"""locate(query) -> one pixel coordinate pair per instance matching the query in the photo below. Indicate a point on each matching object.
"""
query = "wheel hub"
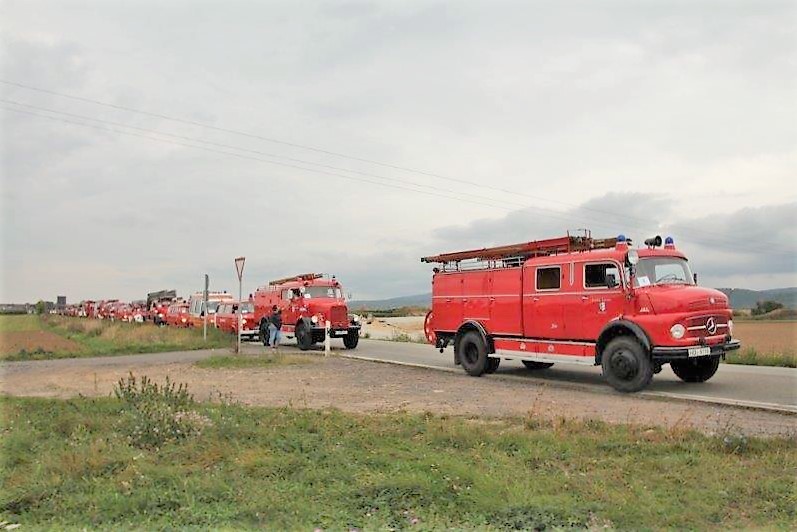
(624, 365)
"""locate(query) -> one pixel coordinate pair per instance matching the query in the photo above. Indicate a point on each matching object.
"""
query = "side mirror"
(611, 281)
(632, 257)
(694, 277)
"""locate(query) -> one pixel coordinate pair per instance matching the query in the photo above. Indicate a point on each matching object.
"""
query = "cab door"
(599, 303)
(543, 315)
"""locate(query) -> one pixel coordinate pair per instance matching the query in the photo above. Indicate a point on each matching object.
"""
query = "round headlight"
(677, 331)
(314, 319)
(730, 326)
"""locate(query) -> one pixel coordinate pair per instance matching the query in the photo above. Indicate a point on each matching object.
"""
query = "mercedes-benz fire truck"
(579, 300)
(307, 302)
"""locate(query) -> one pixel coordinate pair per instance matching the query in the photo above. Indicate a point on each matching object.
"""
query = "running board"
(545, 357)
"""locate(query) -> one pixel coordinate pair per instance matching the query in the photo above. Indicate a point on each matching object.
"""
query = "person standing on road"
(274, 327)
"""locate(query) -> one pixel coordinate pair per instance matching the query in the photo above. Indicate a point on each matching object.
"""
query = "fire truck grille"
(706, 326)
(338, 315)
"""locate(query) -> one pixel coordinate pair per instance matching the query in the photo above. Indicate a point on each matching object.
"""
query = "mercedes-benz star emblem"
(711, 326)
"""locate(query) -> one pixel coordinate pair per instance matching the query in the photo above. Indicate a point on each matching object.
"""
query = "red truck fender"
(620, 328)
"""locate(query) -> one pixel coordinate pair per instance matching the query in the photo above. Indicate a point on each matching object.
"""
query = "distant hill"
(744, 298)
(739, 297)
(419, 300)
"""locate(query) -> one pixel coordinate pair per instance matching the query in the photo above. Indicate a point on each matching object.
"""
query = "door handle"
(448, 300)
(464, 299)
(584, 298)
(535, 298)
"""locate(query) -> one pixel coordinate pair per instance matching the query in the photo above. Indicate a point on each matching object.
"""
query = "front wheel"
(351, 340)
(304, 336)
(696, 369)
(626, 365)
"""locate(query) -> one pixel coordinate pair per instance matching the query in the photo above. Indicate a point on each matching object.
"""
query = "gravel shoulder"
(368, 387)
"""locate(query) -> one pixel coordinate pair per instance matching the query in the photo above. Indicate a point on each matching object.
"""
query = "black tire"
(264, 336)
(351, 340)
(695, 369)
(473, 353)
(492, 365)
(304, 336)
(627, 367)
(531, 364)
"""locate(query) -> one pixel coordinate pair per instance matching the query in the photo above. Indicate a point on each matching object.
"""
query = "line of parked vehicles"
(307, 301)
(572, 299)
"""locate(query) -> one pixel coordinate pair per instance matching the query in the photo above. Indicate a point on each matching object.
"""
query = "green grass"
(20, 323)
(73, 464)
(751, 357)
(259, 361)
(104, 338)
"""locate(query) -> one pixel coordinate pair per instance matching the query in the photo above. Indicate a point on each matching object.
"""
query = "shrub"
(156, 414)
(765, 307)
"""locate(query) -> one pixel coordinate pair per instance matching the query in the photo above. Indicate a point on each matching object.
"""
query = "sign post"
(205, 309)
(239, 268)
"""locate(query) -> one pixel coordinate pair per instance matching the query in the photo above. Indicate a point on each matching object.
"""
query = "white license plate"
(341, 332)
(699, 351)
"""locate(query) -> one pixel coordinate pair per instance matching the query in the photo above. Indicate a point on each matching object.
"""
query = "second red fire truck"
(307, 302)
(580, 300)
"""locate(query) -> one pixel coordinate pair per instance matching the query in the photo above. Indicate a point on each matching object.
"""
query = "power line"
(551, 214)
(514, 193)
(499, 204)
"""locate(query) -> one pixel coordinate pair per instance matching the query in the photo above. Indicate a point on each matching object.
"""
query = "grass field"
(765, 343)
(88, 463)
(44, 337)
(247, 361)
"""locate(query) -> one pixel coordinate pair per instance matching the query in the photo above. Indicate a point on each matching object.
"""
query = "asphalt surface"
(747, 386)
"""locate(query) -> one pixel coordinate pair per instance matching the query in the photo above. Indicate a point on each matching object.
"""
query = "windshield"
(212, 306)
(323, 291)
(247, 308)
(662, 270)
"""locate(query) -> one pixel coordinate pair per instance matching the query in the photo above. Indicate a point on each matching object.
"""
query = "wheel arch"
(617, 328)
(473, 325)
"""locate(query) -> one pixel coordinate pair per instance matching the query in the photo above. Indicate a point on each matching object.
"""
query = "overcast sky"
(510, 121)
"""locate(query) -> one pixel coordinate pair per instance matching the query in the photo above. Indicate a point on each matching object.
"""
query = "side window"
(549, 278)
(286, 294)
(595, 274)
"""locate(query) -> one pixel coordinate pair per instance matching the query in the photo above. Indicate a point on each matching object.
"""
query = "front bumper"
(336, 332)
(668, 354)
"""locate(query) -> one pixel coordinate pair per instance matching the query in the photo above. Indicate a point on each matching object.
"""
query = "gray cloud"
(623, 117)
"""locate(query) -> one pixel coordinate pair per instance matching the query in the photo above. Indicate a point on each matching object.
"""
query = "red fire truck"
(307, 301)
(177, 314)
(580, 300)
(226, 318)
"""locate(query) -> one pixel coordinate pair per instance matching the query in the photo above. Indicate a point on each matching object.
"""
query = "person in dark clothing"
(274, 327)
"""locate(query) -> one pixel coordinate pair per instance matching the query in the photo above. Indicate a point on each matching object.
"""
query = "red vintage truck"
(307, 301)
(177, 314)
(196, 307)
(226, 318)
(579, 300)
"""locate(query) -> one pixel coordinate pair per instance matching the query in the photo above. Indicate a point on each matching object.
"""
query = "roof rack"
(525, 250)
(302, 277)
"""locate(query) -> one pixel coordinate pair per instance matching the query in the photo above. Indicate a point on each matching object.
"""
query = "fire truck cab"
(307, 302)
(580, 300)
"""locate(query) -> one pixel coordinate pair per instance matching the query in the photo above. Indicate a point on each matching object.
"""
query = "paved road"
(773, 388)
(761, 387)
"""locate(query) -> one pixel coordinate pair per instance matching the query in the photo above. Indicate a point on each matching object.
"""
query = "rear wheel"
(304, 336)
(696, 369)
(531, 364)
(626, 365)
(352, 339)
(473, 353)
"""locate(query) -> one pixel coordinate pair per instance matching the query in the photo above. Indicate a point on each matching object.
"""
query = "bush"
(765, 307)
(156, 414)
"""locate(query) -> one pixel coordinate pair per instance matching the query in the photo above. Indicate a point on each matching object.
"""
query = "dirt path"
(359, 386)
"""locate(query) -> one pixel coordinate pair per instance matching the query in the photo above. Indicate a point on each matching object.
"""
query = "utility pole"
(205, 309)
(239, 268)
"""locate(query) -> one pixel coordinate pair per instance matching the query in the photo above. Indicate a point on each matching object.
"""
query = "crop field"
(44, 337)
(153, 458)
(765, 343)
